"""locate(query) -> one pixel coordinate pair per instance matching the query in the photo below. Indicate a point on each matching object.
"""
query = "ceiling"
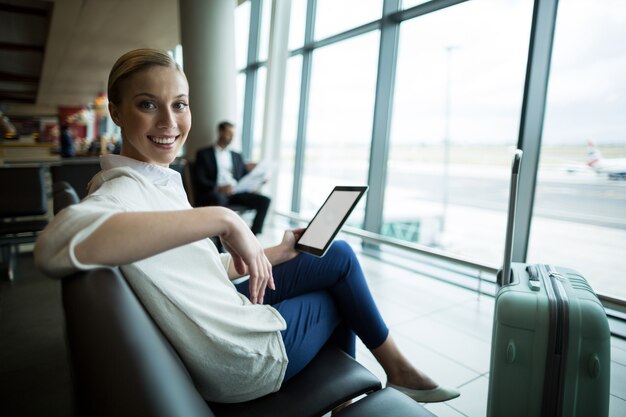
(60, 52)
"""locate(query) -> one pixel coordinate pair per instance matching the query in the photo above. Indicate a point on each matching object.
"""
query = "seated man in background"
(218, 170)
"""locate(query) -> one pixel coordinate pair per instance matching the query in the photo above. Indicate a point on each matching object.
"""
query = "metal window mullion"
(379, 150)
(340, 37)
(531, 123)
(251, 71)
(422, 9)
(248, 114)
(305, 87)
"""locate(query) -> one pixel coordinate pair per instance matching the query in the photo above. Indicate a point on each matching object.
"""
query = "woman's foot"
(410, 377)
(432, 395)
(420, 387)
(406, 378)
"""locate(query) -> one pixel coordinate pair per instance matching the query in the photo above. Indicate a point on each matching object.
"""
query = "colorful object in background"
(50, 133)
(77, 118)
(100, 105)
(7, 130)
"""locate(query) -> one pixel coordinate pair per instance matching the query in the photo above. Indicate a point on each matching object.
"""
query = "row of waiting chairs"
(24, 203)
(23, 206)
(24, 200)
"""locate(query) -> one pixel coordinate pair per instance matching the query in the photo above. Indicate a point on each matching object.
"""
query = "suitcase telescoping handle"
(505, 277)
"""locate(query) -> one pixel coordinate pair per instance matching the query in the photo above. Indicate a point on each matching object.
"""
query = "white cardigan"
(232, 348)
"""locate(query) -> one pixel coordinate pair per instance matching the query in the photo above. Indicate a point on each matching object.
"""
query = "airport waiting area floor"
(445, 330)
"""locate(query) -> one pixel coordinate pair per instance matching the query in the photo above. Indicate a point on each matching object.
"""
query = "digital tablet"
(321, 231)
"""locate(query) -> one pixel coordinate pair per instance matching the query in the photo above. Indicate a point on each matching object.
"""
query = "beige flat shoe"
(434, 395)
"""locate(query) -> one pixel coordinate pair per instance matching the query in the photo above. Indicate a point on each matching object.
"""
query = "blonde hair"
(132, 62)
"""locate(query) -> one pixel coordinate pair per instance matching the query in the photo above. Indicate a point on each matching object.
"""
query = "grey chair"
(77, 173)
(23, 205)
(63, 195)
(123, 365)
(387, 402)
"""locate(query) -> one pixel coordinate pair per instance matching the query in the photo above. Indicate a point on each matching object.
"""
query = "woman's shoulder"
(117, 177)
(124, 186)
(124, 173)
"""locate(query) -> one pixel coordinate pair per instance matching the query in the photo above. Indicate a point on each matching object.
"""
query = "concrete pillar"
(276, 75)
(275, 87)
(208, 40)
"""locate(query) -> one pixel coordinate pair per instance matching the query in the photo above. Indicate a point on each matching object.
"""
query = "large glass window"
(580, 203)
(338, 16)
(266, 19)
(259, 113)
(285, 169)
(242, 31)
(457, 100)
(455, 123)
(241, 93)
(297, 24)
(339, 127)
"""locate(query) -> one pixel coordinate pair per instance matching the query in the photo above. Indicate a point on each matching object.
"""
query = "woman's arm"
(131, 236)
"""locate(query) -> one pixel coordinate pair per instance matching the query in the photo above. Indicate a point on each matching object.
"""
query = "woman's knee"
(341, 248)
(341, 256)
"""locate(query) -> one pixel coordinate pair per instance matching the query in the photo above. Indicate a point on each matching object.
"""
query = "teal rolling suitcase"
(550, 353)
(550, 348)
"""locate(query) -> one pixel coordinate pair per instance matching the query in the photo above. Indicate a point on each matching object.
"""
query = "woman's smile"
(163, 140)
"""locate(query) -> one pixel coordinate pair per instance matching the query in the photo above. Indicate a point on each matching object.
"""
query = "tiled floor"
(446, 331)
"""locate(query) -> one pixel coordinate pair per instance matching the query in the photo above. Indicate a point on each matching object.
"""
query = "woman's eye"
(148, 105)
(180, 105)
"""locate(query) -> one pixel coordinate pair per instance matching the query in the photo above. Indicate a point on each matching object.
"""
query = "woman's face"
(153, 114)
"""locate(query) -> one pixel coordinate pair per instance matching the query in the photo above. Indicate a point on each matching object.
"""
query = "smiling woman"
(153, 111)
(238, 341)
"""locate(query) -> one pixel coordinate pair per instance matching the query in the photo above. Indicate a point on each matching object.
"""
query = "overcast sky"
(461, 72)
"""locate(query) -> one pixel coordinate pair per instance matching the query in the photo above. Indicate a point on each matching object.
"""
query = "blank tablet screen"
(321, 231)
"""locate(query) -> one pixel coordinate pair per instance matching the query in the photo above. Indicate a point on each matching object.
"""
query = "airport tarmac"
(579, 217)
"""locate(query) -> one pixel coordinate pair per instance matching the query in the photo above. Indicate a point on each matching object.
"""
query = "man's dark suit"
(206, 193)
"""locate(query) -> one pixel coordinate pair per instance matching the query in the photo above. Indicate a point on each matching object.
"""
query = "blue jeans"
(323, 299)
